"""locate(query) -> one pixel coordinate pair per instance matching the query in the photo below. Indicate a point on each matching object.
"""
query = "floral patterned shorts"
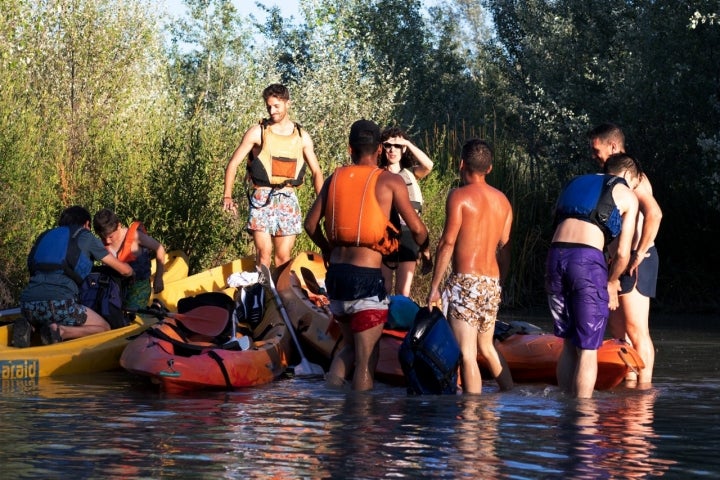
(474, 299)
(43, 312)
(275, 211)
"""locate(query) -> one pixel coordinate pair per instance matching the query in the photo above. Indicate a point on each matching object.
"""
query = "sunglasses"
(388, 146)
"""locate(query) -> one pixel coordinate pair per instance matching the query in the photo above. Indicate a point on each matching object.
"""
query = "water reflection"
(476, 438)
(113, 426)
(612, 437)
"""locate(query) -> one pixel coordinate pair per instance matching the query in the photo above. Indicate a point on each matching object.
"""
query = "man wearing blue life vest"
(279, 152)
(592, 211)
(631, 320)
(59, 261)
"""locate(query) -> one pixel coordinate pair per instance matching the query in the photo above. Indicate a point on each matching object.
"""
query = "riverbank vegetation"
(110, 104)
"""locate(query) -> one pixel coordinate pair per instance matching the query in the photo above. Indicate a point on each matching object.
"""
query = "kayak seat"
(218, 307)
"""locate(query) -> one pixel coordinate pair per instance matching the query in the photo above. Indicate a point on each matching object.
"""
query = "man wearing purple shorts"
(592, 211)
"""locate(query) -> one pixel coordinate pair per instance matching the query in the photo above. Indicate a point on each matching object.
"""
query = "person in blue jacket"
(58, 262)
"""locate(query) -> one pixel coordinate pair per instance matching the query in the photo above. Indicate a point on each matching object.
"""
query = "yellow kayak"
(176, 266)
(212, 280)
(93, 353)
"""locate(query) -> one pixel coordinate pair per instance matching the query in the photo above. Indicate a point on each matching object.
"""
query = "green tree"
(81, 100)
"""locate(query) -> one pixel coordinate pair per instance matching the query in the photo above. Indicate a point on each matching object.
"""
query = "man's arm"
(313, 220)
(251, 138)
(401, 203)
(121, 267)
(312, 161)
(446, 244)
(652, 216)
(150, 243)
(503, 252)
(623, 197)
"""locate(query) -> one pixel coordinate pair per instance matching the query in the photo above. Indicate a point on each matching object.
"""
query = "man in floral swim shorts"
(474, 299)
(476, 236)
(279, 153)
(276, 212)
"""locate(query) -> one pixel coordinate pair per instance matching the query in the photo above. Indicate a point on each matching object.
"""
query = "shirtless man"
(631, 320)
(592, 211)
(355, 203)
(478, 219)
(279, 150)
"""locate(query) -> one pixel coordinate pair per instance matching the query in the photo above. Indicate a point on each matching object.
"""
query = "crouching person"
(58, 262)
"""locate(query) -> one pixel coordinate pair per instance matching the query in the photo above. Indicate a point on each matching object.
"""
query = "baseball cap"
(364, 132)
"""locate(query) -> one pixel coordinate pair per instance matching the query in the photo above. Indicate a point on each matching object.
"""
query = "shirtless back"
(354, 281)
(476, 236)
(484, 218)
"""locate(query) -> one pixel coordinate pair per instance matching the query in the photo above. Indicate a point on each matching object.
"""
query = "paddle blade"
(311, 282)
(304, 368)
(307, 369)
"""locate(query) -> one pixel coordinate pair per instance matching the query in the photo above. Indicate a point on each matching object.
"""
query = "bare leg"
(616, 322)
(263, 246)
(467, 338)
(343, 361)
(94, 324)
(283, 249)
(404, 278)
(585, 373)
(366, 345)
(566, 366)
(636, 310)
(497, 363)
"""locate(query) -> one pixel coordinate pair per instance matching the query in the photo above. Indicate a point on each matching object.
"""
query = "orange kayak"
(198, 349)
(531, 353)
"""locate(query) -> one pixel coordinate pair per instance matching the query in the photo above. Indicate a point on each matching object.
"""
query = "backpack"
(430, 355)
(401, 312)
(104, 292)
(57, 250)
(250, 307)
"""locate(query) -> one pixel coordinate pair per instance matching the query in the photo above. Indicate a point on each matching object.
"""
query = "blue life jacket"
(57, 251)
(430, 355)
(589, 198)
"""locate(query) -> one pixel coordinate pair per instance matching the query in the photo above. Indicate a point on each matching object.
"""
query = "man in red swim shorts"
(355, 203)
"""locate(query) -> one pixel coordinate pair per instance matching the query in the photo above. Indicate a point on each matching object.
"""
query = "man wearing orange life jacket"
(279, 152)
(355, 206)
(132, 245)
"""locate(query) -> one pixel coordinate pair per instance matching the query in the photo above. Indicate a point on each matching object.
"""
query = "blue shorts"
(576, 284)
(43, 312)
(275, 211)
(357, 294)
(645, 278)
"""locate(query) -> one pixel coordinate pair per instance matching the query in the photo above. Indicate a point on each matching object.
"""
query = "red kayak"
(199, 349)
(531, 353)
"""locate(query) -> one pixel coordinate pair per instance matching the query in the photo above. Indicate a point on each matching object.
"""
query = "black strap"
(213, 354)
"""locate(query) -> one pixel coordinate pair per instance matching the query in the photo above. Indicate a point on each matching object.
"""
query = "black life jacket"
(589, 198)
(57, 250)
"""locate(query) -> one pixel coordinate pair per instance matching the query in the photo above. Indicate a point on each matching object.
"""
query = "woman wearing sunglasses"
(401, 156)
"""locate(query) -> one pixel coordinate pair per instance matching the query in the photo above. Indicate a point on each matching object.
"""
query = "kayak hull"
(532, 357)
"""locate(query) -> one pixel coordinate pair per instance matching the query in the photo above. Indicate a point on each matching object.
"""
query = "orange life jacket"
(125, 253)
(353, 216)
(280, 162)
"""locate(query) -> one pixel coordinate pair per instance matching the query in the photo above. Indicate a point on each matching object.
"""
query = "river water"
(114, 425)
